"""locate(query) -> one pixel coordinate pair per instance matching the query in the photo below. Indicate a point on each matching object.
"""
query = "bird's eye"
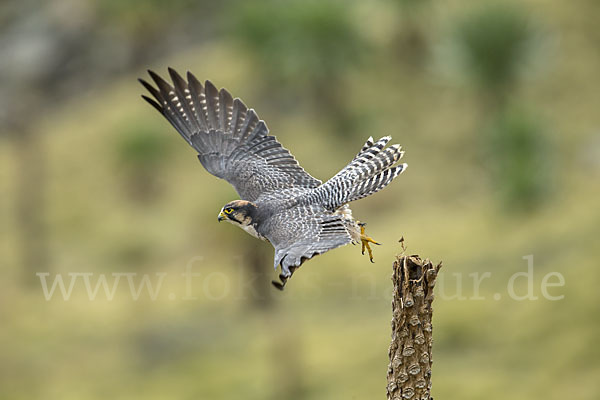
(228, 210)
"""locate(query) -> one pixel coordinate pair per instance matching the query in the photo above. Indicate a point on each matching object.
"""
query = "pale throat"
(251, 230)
(248, 227)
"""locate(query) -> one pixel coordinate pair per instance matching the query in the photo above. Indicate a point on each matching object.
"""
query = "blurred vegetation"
(503, 164)
(411, 37)
(140, 154)
(306, 48)
(496, 42)
(522, 159)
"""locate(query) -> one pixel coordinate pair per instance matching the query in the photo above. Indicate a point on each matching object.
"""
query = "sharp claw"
(281, 285)
(366, 240)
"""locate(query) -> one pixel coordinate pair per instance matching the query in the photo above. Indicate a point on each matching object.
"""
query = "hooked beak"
(221, 216)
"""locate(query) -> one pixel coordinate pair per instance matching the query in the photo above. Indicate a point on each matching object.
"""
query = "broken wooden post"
(409, 372)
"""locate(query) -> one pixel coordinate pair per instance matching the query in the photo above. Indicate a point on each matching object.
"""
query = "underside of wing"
(232, 143)
(303, 232)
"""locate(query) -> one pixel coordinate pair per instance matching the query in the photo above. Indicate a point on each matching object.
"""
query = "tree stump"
(409, 371)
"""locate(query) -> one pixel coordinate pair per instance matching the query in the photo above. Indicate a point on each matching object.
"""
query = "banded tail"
(373, 168)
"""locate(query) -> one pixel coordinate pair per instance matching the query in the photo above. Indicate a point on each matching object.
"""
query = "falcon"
(280, 202)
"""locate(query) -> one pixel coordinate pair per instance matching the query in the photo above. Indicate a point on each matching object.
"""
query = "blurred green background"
(496, 104)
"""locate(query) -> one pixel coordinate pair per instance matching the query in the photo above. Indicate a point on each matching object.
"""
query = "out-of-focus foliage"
(141, 148)
(150, 22)
(140, 154)
(306, 48)
(112, 192)
(300, 43)
(131, 12)
(495, 41)
(521, 159)
(410, 41)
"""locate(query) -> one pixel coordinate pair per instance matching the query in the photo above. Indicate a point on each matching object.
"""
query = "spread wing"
(303, 232)
(232, 143)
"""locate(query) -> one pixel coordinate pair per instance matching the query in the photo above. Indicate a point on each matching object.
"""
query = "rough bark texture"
(409, 372)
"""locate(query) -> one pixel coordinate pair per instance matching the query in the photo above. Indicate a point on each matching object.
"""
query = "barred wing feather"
(231, 141)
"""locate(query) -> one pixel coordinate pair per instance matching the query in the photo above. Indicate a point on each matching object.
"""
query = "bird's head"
(238, 212)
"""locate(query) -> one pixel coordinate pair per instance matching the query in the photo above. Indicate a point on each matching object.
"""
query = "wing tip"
(208, 85)
(149, 88)
(175, 77)
(153, 74)
(153, 103)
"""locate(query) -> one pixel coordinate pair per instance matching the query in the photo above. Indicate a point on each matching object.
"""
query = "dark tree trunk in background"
(30, 204)
(409, 372)
(257, 261)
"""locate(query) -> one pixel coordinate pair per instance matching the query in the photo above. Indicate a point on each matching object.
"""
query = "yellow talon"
(365, 240)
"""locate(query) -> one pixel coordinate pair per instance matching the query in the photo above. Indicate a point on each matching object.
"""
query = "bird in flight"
(280, 202)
